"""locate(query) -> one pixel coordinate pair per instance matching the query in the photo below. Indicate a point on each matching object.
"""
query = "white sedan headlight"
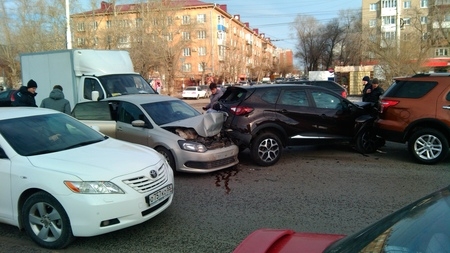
(93, 187)
(192, 146)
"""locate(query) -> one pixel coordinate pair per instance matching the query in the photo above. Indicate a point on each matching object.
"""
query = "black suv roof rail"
(431, 74)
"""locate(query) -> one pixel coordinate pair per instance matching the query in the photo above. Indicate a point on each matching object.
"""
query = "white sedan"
(194, 92)
(61, 179)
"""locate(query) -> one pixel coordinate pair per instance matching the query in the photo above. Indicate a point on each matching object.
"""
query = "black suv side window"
(409, 89)
(294, 97)
(325, 100)
(270, 96)
(92, 111)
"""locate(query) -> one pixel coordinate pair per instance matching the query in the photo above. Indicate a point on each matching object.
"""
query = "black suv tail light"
(386, 103)
(241, 110)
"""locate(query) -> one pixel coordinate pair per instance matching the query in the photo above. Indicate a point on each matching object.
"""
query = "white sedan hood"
(206, 125)
(110, 157)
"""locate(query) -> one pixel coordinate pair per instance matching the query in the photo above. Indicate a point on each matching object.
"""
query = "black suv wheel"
(266, 149)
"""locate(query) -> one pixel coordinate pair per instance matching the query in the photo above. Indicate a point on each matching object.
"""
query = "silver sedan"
(190, 141)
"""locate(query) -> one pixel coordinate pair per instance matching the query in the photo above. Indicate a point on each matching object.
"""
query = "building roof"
(106, 7)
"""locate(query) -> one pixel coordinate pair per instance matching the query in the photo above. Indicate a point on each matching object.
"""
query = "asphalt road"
(328, 189)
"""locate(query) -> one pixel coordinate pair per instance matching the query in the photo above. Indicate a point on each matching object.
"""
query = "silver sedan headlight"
(192, 146)
(93, 187)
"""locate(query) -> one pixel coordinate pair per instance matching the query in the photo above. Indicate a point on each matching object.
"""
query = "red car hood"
(285, 241)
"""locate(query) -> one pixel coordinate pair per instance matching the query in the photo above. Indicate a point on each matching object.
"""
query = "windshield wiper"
(84, 143)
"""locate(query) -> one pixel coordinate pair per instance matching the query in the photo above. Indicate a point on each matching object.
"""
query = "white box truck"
(82, 73)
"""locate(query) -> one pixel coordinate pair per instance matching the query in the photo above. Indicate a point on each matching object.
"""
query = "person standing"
(56, 100)
(367, 88)
(375, 92)
(215, 95)
(25, 95)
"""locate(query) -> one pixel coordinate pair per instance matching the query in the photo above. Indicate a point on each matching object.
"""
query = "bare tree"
(29, 26)
(311, 43)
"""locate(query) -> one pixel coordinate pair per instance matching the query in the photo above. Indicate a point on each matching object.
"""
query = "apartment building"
(421, 23)
(203, 40)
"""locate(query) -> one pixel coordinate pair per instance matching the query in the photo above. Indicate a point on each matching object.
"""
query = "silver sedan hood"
(206, 125)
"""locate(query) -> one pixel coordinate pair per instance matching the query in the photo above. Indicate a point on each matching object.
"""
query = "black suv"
(266, 118)
(332, 85)
(416, 110)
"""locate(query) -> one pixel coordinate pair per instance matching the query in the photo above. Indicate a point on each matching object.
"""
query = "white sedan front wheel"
(46, 221)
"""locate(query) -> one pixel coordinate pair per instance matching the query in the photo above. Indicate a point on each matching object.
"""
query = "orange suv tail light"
(241, 110)
(386, 103)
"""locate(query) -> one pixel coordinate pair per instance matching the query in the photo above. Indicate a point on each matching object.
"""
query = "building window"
(220, 20)
(186, 67)
(186, 35)
(80, 27)
(81, 41)
(124, 39)
(202, 51)
(108, 23)
(94, 25)
(169, 37)
(406, 4)
(201, 35)
(442, 2)
(406, 21)
(389, 20)
(139, 22)
(372, 23)
(447, 17)
(424, 20)
(406, 36)
(389, 35)
(441, 52)
(389, 3)
(373, 7)
(200, 67)
(186, 20)
(201, 18)
(186, 51)
(169, 20)
(220, 35)
(423, 3)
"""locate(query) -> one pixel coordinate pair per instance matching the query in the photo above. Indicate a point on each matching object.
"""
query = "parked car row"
(88, 167)
(195, 92)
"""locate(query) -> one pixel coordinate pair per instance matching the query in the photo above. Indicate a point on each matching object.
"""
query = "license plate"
(159, 195)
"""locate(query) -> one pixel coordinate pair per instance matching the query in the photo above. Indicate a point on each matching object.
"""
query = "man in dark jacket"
(216, 93)
(367, 88)
(56, 100)
(375, 92)
(25, 95)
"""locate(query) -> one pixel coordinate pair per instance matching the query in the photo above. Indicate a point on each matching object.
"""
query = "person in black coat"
(375, 92)
(367, 88)
(25, 95)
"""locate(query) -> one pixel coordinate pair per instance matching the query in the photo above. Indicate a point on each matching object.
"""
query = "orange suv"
(416, 110)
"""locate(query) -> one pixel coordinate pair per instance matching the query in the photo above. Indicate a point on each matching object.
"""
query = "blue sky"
(274, 17)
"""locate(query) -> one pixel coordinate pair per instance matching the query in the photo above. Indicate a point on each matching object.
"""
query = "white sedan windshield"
(43, 134)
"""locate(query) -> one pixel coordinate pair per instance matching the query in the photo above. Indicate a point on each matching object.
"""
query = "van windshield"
(124, 84)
